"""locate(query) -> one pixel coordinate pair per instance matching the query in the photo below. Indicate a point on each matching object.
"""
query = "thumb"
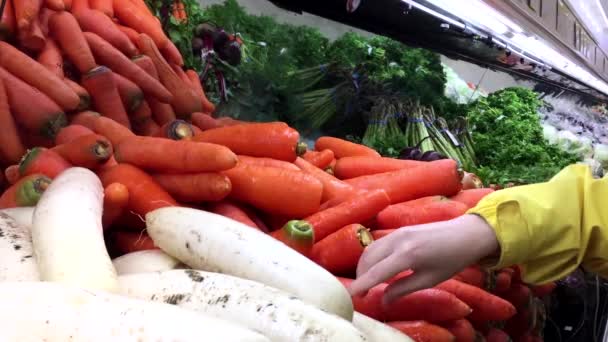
(415, 282)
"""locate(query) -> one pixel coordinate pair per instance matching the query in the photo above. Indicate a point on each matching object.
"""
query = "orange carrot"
(233, 211)
(208, 106)
(112, 130)
(503, 282)
(11, 147)
(339, 252)
(129, 242)
(162, 112)
(11, 174)
(298, 235)
(83, 94)
(319, 159)
(131, 95)
(497, 335)
(164, 155)
(32, 109)
(181, 73)
(40, 160)
(33, 39)
(86, 119)
(378, 234)
(145, 194)
(462, 330)
(43, 19)
(176, 130)
(351, 167)
(129, 32)
(476, 276)
(332, 188)
(471, 197)
(68, 4)
(484, 305)
(55, 5)
(185, 100)
(142, 121)
(205, 121)
(271, 140)
(172, 54)
(8, 26)
(278, 191)
(89, 151)
(115, 201)
(71, 132)
(343, 148)
(267, 162)
(421, 331)
(197, 187)
(134, 17)
(519, 295)
(32, 72)
(104, 6)
(67, 33)
(26, 11)
(101, 85)
(544, 289)
(26, 192)
(420, 211)
(103, 26)
(357, 209)
(51, 58)
(80, 5)
(441, 177)
(108, 55)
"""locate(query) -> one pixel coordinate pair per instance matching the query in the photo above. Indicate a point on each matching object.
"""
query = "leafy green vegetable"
(509, 141)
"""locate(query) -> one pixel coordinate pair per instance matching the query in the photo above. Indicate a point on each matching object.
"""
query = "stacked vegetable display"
(109, 148)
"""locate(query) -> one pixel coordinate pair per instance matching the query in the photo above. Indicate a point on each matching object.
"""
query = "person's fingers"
(415, 282)
(378, 273)
(373, 254)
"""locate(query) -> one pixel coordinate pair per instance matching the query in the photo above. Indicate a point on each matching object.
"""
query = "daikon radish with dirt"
(68, 235)
(153, 260)
(377, 331)
(22, 215)
(53, 312)
(16, 252)
(271, 312)
(214, 243)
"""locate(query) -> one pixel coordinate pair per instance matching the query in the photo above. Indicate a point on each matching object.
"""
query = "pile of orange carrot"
(97, 84)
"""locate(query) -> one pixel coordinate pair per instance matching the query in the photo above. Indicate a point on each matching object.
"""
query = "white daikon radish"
(67, 233)
(17, 262)
(377, 331)
(54, 312)
(274, 313)
(214, 243)
(153, 260)
(23, 215)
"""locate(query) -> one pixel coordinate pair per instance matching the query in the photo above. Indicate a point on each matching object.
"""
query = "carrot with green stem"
(101, 85)
(8, 25)
(132, 16)
(343, 148)
(351, 167)
(421, 331)
(278, 191)
(320, 159)
(51, 58)
(26, 11)
(71, 132)
(420, 211)
(176, 130)
(69, 36)
(356, 209)
(271, 140)
(100, 24)
(339, 252)
(131, 95)
(298, 235)
(11, 146)
(164, 155)
(441, 177)
(196, 187)
(11, 174)
(89, 151)
(115, 202)
(208, 106)
(32, 110)
(486, 306)
(35, 74)
(145, 194)
(41, 160)
(55, 5)
(26, 192)
(185, 100)
(462, 330)
(83, 94)
(247, 160)
(104, 6)
(233, 211)
(333, 188)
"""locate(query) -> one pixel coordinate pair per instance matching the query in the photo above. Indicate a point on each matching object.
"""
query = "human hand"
(435, 252)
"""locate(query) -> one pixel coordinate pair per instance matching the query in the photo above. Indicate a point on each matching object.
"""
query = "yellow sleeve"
(551, 228)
